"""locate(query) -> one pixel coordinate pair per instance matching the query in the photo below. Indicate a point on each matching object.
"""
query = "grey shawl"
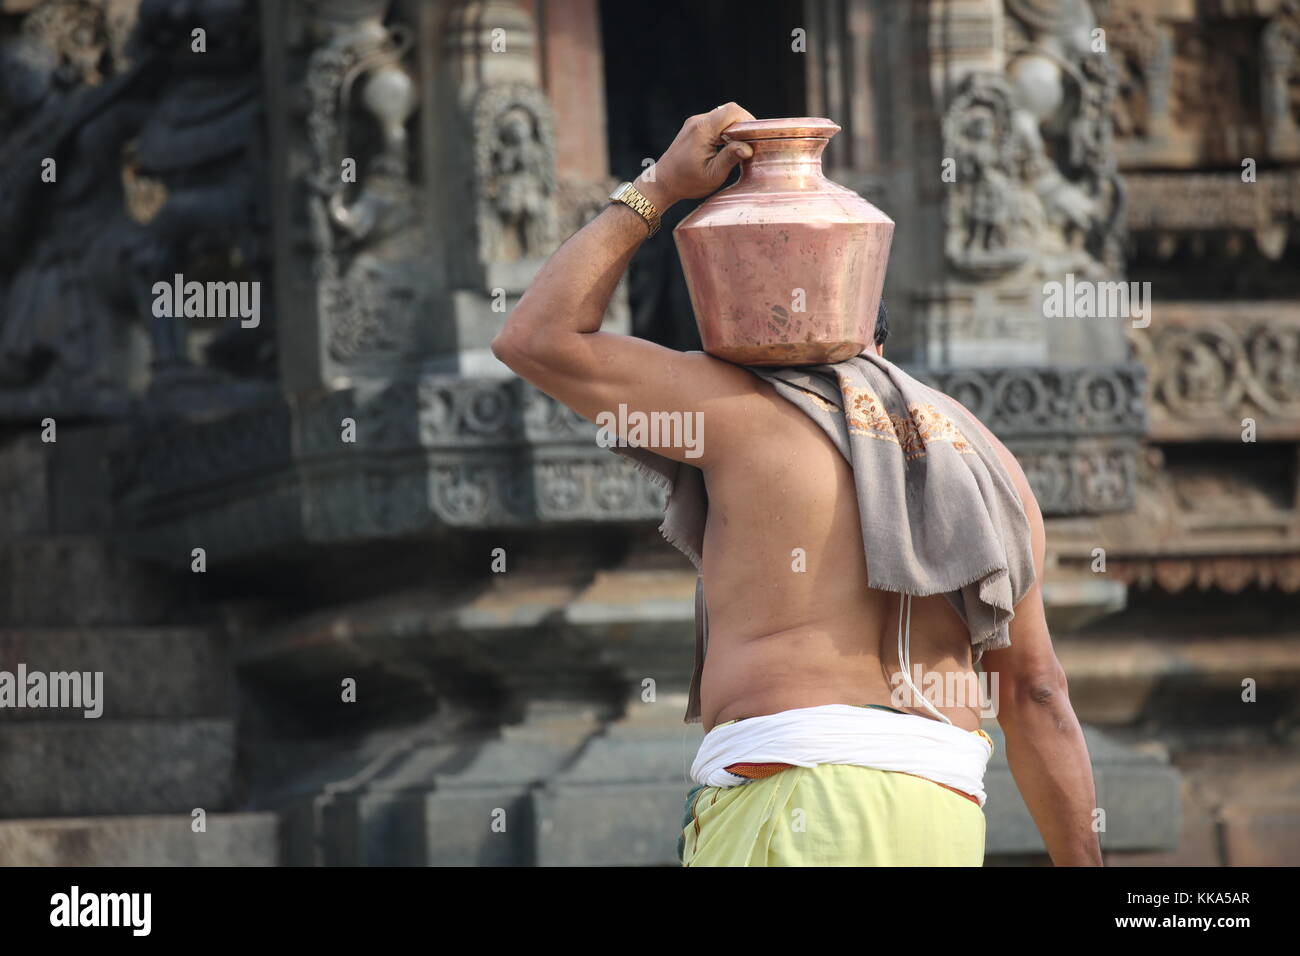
(939, 511)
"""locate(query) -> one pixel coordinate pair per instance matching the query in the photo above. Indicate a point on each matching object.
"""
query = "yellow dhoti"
(832, 815)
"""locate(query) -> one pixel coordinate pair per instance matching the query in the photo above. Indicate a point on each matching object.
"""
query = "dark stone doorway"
(667, 61)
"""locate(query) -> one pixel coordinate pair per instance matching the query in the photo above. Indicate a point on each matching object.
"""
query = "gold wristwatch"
(629, 194)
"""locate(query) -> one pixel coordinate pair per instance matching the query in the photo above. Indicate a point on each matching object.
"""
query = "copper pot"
(785, 267)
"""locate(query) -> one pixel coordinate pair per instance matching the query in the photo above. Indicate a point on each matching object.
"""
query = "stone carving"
(365, 238)
(1202, 525)
(489, 453)
(547, 420)
(438, 412)
(1226, 209)
(1209, 373)
(1231, 574)
(87, 40)
(1061, 401)
(1084, 477)
(1184, 71)
(992, 218)
(1143, 49)
(67, 95)
(191, 455)
(1063, 91)
(157, 153)
(1223, 201)
(1280, 77)
(1036, 180)
(200, 146)
(514, 173)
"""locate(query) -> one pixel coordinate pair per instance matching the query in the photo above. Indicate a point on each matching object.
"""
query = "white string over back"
(905, 655)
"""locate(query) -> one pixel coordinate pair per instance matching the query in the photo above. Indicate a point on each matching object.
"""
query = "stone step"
(84, 767)
(230, 839)
(618, 824)
(141, 672)
(1121, 679)
(1241, 808)
(619, 801)
(82, 580)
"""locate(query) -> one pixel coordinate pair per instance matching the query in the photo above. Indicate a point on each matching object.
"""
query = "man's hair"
(882, 324)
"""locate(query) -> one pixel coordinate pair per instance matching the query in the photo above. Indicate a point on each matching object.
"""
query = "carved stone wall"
(129, 156)
(984, 128)
(1075, 430)
(1206, 119)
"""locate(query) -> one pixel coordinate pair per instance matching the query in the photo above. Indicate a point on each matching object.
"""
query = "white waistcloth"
(843, 733)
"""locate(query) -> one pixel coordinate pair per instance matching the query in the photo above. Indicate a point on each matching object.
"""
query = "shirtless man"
(779, 640)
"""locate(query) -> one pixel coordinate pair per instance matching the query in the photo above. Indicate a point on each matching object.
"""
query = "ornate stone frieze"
(1143, 50)
(1088, 476)
(1074, 430)
(1230, 574)
(1064, 402)
(441, 452)
(1168, 205)
(411, 457)
(1212, 367)
(1223, 521)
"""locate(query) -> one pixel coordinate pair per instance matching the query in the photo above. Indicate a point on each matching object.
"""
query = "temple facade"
(358, 596)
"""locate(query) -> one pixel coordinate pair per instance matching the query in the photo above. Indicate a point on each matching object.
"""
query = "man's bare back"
(780, 638)
(791, 620)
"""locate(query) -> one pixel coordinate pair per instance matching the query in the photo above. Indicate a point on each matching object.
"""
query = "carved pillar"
(501, 206)
(356, 282)
(416, 188)
(490, 162)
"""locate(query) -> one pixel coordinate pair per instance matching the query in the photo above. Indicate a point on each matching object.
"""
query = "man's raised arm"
(553, 339)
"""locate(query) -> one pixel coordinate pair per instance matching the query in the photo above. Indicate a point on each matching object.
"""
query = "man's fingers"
(721, 164)
(719, 119)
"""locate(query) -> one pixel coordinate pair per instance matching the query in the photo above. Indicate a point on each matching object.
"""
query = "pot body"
(785, 267)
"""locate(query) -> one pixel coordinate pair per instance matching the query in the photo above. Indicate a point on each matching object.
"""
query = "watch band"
(631, 196)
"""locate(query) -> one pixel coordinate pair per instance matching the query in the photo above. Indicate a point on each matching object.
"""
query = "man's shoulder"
(760, 395)
(1008, 460)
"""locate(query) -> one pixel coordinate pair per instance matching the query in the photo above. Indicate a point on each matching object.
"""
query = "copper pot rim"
(799, 127)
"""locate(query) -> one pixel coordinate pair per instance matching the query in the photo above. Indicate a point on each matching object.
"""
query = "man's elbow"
(510, 346)
(535, 352)
(1042, 691)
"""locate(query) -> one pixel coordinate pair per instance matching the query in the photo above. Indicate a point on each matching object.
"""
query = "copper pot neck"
(787, 152)
(795, 162)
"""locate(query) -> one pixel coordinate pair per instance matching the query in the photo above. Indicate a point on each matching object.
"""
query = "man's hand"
(698, 161)
(553, 339)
